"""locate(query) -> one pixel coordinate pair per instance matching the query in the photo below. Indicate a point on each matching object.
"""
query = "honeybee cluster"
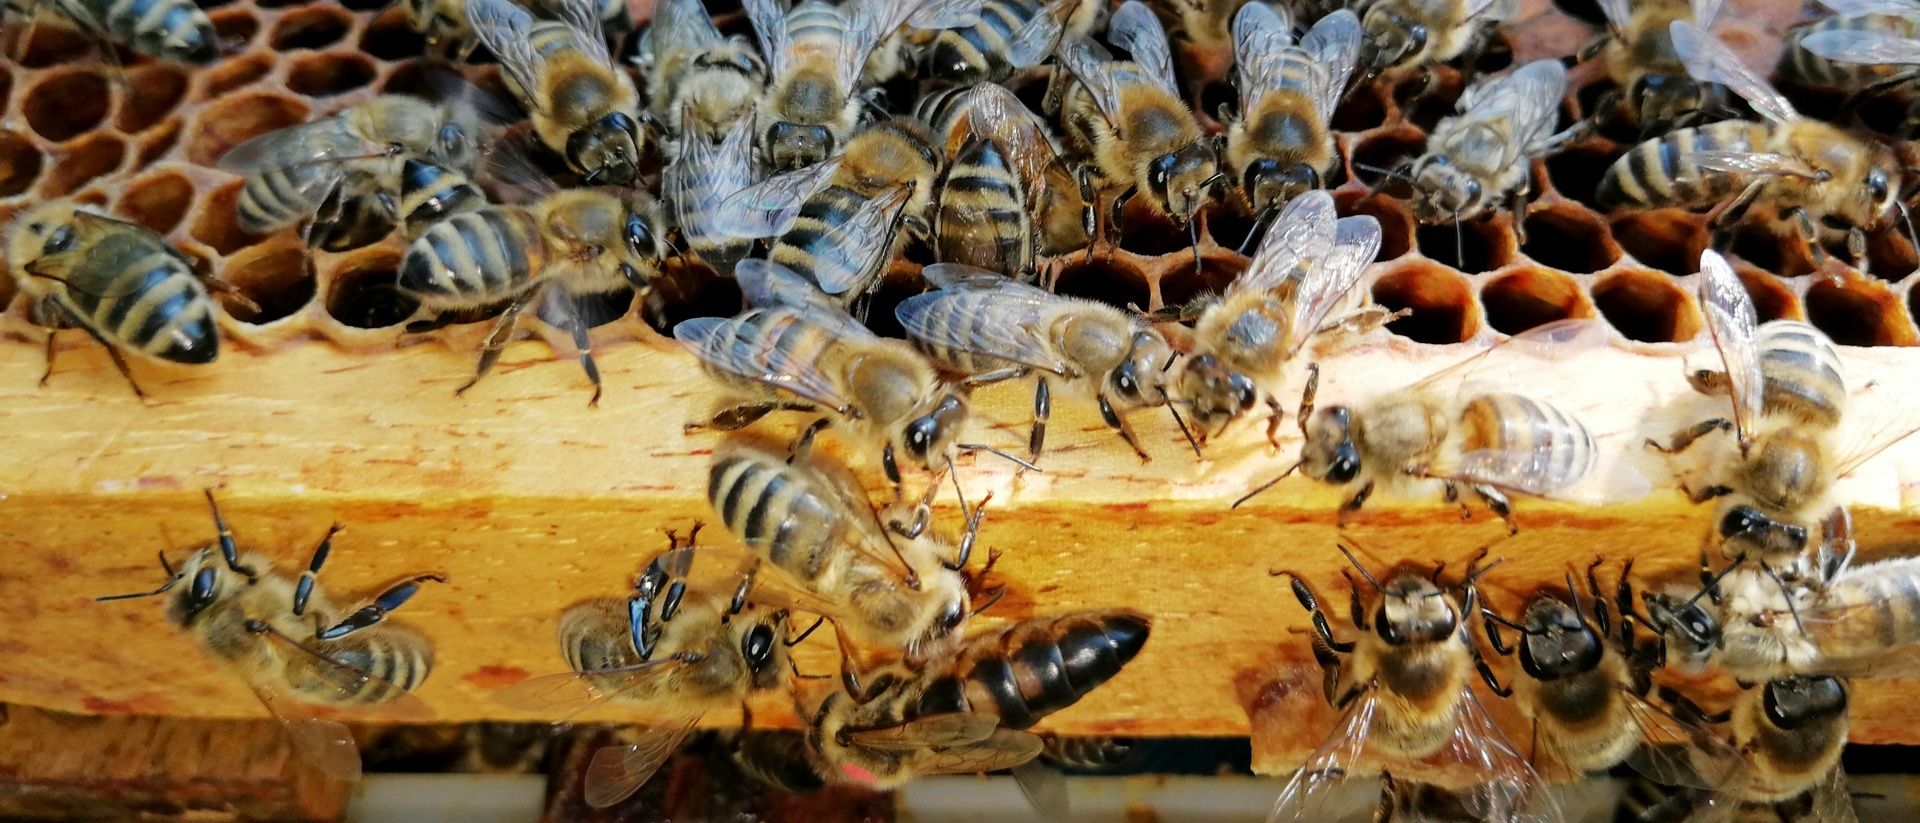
(802, 164)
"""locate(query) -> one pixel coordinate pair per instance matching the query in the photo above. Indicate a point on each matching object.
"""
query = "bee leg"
(496, 342)
(48, 374)
(1275, 416)
(1354, 503)
(1119, 424)
(1601, 618)
(1042, 409)
(1857, 248)
(1450, 493)
(1810, 234)
(1117, 211)
(1307, 394)
(1684, 438)
(374, 612)
(1309, 600)
(803, 445)
(228, 550)
(583, 343)
(1383, 807)
(1497, 501)
(1722, 219)
(303, 590)
(1706, 493)
(1085, 179)
(113, 352)
(1486, 673)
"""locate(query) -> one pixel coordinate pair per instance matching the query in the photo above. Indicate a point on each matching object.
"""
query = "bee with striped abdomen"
(969, 712)
(352, 176)
(1882, 49)
(1306, 267)
(1793, 730)
(991, 328)
(572, 244)
(1651, 86)
(670, 651)
(1010, 35)
(1280, 142)
(1128, 122)
(796, 348)
(1411, 34)
(119, 281)
(1817, 179)
(584, 107)
(839, 224)
(175, 30)
(1439, 429)
(1007, 198)
(697, 78)
(1404, 688)
(813, 523)
(1483, 155)
(696, 183)
(304, 656)
(815, 53)
(1812, 70)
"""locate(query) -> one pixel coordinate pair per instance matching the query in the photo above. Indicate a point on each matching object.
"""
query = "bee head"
(793, 145)
(1752, 529)
(1330, 453)
(1882, 186)
(1214, 393)
(205, 577)
(763, 650)
(930, 436)
(452, 147)
(607, 151)
(644, 248)
(45, 230)
(1444, 192)
(1179, 180)
(1141, 379)
(1414, 610)
(1557, 642)
(1664, 99)
(1390, 38)
(1685, 624)
(1792, 702)
(1269, 184)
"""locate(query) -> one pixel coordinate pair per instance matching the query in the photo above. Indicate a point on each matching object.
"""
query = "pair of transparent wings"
(1314, 256)
(1011, 323)
(1526, 101)
(1710, 61)
(706, 174)
(1619, 13)
(955, 743)
(1670, 752)
(757, 353)
(1135, 29)
(771, 208)
(867, 23)
(309, 718)
(1262, 38)
(1494, 781)
(995, 114)
(506, 30)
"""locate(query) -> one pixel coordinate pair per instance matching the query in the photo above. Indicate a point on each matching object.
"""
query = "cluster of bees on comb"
(794, 166)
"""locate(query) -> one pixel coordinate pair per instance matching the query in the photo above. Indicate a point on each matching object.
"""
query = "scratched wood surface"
(530, 501)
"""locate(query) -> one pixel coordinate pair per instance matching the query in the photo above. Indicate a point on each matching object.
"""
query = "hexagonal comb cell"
(1530, 297)
(1472, 245)
(390, 38)
(1569, 238)
(82, 161)
(65, 104)
(160, 89)
(53, 43)
(235, 27)
(20, 162)
(235, 73)
(1646, 306)
(1180, 286)
(1441, 302)
(277, 276)
(325, 75)
(158, 201)
(1772, 300)
(1107, 279)
(1670, 240)
(362, 295)
(214, 223)
(230, 121)
(313, 27)
(1859, 312)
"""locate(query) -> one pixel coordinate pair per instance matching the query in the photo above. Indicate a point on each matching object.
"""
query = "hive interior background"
(69, 128)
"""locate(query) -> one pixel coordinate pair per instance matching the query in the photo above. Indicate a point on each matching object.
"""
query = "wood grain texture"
(530, 501)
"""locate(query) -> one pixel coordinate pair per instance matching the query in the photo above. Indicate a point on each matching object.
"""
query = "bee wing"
(1334, 42)
(1038, 37)
(319, 140)
(864, 238)
(770, 29)
(1550, 342)
(368, 693)
(1674, 752)
(574, 693)
(505, 29)
(514, 176)
(327, 744)
(1305, 795)
(616, 772)
(583, 17)
(871, 21)
(1619, 13)
(1857, 46)
(769, 207)
(944, 14)
(1832, 802)
(1009, 332)
(1528, 99)
(994, 113)
(1044, 787)
(1092, 65)
(1261, 35)
(1710, 61)
(1003, 749)
(1490, 9)
(1507, 787)
(1759, 163)
(950, 729)
(757, 358)
(1731, 322)
(1305, 229)
(1855, 7)
(683, 24)
(705, 175)
(1135, 29)
(1324, 286)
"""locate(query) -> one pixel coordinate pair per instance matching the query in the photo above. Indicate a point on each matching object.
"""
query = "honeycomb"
(69, 127)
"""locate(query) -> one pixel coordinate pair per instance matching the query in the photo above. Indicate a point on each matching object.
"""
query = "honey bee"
(583, 106)
(838, 224)
(796, 349)
(305, 657)
(1482, 155)
(1492, 442)
(672, 651)
(706, 80)
(1878, 48)
(1007, 198)
(174, 30)
(1585, 690)
(990, 328)
(1819, 180)
(815, 54)
(1305, 267)
(1651, 86)
(696, 183)
(1409, 34)
(1127, 120)
(1793, 730)
(572, 244)
(119, 281)
(811, 521)
(352, 176)
(1404, 688)
(1788, 394)
(969, 712)
(1010, 35)
(1811, 69)
(1280, 144)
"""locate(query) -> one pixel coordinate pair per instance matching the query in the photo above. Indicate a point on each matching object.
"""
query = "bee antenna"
(1364, 574)
(1394, 173)
(1574, 593)
(1172, 356)
(1714, 582)
(959, 495)
(1504, 622)
(1182, 423)
(1265, 486)
(1260, 225)
(173, 579)
(982, 447)
(1459, 242)
(1792, 610)
(1906, 216)
(1193, 237)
